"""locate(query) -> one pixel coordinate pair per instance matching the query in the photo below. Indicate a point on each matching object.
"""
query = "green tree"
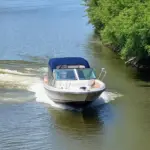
(124, 24)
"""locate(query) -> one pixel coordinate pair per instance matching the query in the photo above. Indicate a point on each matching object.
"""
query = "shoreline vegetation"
(123, 26)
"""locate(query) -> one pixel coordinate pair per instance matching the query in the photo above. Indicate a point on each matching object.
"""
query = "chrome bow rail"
(102, 74)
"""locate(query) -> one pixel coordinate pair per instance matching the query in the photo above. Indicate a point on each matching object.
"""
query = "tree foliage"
(124, 24)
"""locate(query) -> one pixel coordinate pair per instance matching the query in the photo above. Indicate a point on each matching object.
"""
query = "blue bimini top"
(54, 62)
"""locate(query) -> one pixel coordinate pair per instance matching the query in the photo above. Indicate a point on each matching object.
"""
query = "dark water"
(30, 33)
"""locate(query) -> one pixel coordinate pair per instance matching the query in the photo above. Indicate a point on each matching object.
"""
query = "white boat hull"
(72, 80)
(67, 97)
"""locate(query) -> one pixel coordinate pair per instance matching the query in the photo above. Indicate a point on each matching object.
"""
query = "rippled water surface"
(31, 32)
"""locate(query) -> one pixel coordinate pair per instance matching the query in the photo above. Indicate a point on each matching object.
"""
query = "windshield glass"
(86, 74)
(64, 74)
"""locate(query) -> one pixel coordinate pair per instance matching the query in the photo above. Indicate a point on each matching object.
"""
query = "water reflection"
(143, 75)
(89, 122)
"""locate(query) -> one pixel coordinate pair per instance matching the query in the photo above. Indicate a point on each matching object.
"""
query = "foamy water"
(42, 97)
(13, 79)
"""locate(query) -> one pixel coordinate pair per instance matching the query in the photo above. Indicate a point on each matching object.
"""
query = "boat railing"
(102, 74)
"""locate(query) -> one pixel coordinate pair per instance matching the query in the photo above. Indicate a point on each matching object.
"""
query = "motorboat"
(71, 80)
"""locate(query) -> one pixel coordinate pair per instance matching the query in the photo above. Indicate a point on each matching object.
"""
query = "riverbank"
(124, 28)
(142, 64)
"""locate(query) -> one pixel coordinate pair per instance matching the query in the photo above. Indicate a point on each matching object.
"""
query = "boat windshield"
(69, 74)
(86, 74)
(64, 74)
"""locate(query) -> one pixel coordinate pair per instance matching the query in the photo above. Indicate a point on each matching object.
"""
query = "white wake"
(17, 81)
(42, 97)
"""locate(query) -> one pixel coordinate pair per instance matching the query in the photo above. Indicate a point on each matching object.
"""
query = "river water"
(31, 32)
